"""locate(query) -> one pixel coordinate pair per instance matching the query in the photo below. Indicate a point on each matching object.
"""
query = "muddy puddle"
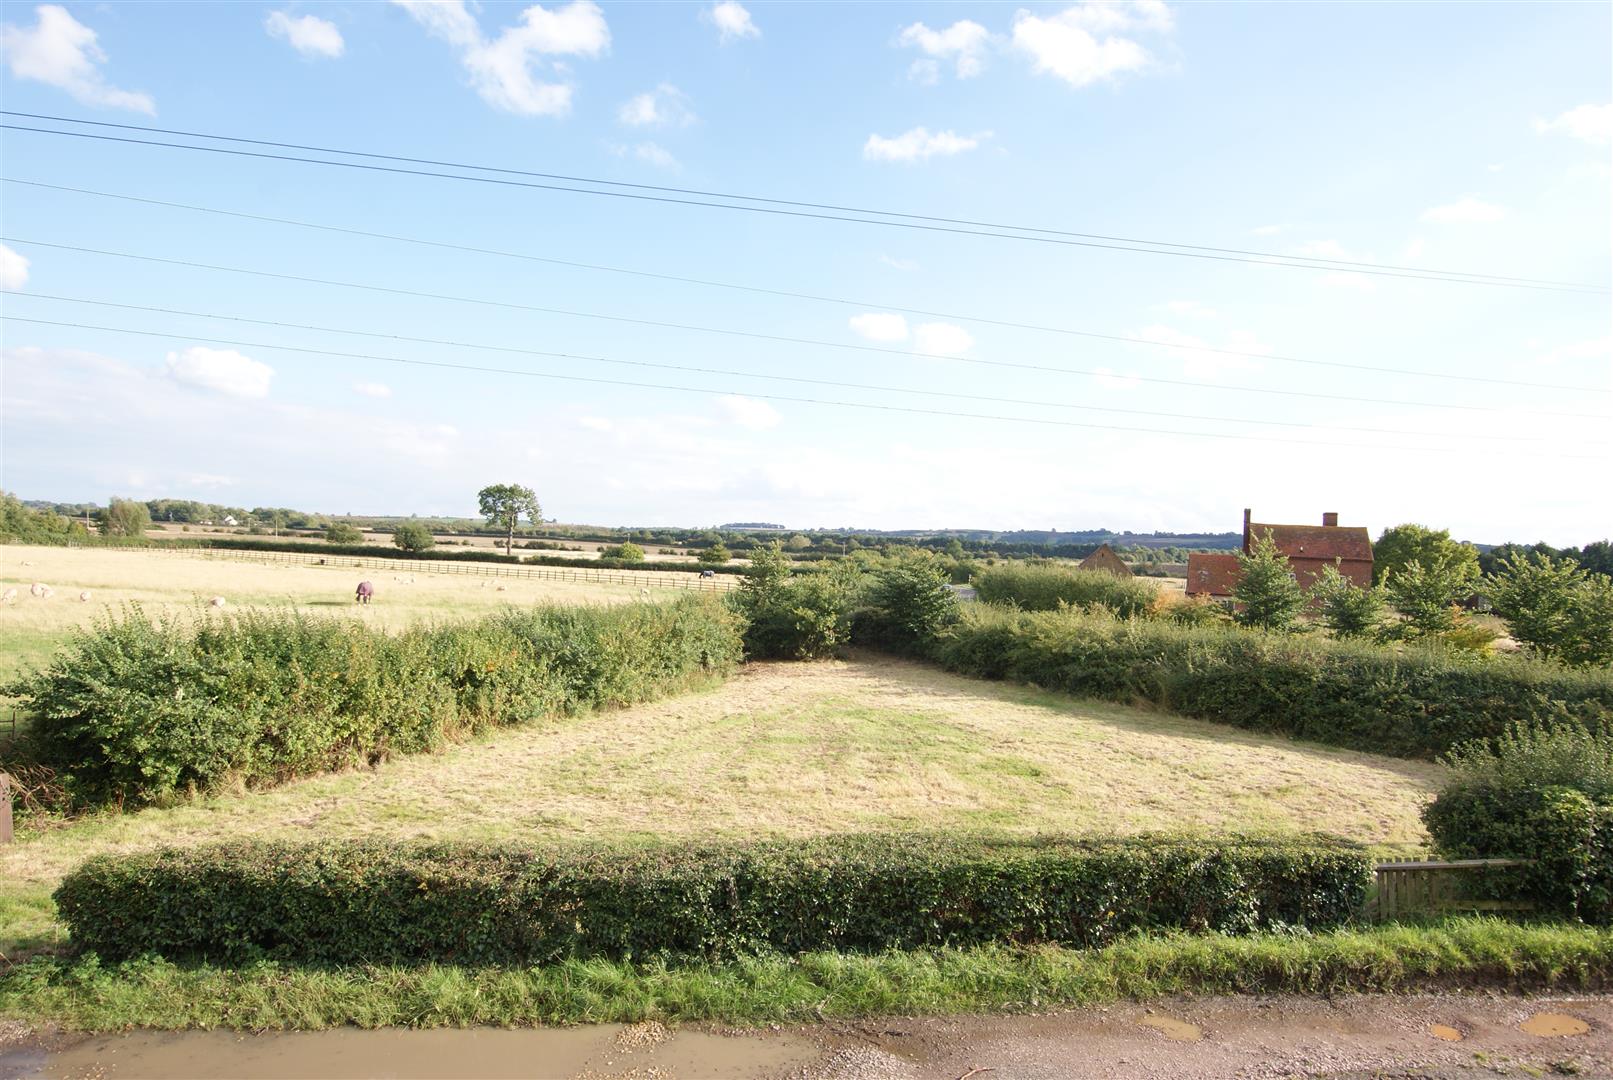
(1549, 1025)
(606, 1052)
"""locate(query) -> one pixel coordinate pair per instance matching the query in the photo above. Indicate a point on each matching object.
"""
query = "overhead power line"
(1040, 421)
(814, 297)
(888, 220)
(757, 335)
(729, 372)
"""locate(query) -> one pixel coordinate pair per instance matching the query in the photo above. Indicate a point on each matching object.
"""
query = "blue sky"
(1472, 138)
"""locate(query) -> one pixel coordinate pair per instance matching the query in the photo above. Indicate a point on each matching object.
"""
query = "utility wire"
(755, 335)
(765, 397)
(1285, 261)
(727, 372)
(1322, 262)
(817, 298)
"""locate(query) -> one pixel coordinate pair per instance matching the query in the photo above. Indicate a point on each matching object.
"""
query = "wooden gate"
(1429, 888)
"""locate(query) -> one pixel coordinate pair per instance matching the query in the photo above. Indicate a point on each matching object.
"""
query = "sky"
(928, 377)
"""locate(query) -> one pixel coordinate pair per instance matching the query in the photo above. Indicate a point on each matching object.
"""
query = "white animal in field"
(217, 602)
(499, 589)
(643, 594)
(41, 591)
(84, 596)
(9, 596)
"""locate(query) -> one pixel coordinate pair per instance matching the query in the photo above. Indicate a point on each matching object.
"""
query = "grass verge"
(83, 994)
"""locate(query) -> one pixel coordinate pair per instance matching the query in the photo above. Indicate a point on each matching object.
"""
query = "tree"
(125, 517)
(504, 505)
(628, 552)
(715, 555)
(342, 533)
(1425, 592)
(912, 598)
(412, 536)
(1267, 594)
(1402, 545)
(1345, 607)
(799, 542)
(1555, 609)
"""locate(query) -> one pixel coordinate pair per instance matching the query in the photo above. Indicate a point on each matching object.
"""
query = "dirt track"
(1371, 1036)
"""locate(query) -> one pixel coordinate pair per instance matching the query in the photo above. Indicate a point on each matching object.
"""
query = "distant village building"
(1309, 548)
(229, 519)
(1106, 560)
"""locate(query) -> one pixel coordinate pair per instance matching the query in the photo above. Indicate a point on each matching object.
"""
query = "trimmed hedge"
(1415, 701)
(383, 902)
(129, 712)
(1040, 586)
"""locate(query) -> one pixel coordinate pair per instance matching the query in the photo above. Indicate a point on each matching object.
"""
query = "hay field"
(791, 749)
(175, 581)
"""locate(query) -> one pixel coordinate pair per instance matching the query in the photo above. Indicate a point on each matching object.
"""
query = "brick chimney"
(1330, 519)
(1246, 513)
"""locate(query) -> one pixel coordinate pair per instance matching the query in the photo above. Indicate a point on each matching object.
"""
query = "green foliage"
(1414, 701)
(1401, 546)
(125, 517)
(340, 533)
(1555, 608)
(1425, 591)
(1538, 793)
(909, 602)
(715, 555)
(1044, 586)
(413, 536)
(25, 525)
(804, 616)
(627, 553)
(384, 902)
(1267, 594)
(131, 712)
(504, 505)
(1346, 609)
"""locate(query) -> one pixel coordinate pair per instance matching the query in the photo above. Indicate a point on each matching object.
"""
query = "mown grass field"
(789, 749)
(177, 582)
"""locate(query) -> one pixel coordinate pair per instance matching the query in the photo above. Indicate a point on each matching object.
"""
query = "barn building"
(1309, 548)
(1106, 560)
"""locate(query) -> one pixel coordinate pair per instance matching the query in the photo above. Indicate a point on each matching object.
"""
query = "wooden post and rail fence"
(1430, 888)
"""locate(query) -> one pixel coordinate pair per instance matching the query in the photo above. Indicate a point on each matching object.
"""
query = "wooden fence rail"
(1424, 888)
(641, 578)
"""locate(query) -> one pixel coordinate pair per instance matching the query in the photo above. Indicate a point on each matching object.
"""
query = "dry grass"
(168, 581)
(797, 749)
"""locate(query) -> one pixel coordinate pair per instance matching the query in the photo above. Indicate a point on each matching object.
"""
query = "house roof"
(1329, 542)
(1106, 559)
(1211, 573)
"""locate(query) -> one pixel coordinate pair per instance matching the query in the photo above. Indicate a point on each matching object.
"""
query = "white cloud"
(749, 413)
(308, 34)
(665, 106)
(920, 145)
(964, 43)
(222, 370)
(899, 264)
(1598, 349)
(880, 326)
(1464, 211)
(1198, 363)
(595, 423)
(1068, 45)
(732, 21)
(653, 153)
(502, 70)
(942, 339)
(1414, 249)
(1588, 123)
(13, 269)
(372, 389)
(62, 52)
(1191, 308)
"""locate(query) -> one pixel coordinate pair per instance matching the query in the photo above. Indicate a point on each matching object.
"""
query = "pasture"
(790, 749)
(181, 582)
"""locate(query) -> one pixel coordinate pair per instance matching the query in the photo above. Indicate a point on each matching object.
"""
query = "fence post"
(5, 809)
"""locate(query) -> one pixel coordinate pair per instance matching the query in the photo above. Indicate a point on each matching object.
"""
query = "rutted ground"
(799, 749)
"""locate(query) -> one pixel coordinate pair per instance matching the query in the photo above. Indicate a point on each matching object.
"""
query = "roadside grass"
(787, 749)
(1452, 953)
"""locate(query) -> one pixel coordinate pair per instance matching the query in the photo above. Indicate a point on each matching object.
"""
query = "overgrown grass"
(1480, 952)
(1047, 586)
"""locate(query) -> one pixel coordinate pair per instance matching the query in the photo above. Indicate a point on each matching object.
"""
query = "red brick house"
(1106, 560)
(1309, 548)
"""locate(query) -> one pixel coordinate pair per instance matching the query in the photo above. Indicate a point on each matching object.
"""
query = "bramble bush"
(132, 711)
(376, 902)
(1043, 586)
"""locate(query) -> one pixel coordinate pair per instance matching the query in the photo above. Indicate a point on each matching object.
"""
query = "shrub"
(382, 902)
(1267, 594)
(1042, 586)
(129, 711)
(1425, 594)
(1555, 609)
(1537, 793)
(412, 536)
(1346, 609)
(789, 616)
(909, 603)
(340, 533)
(715, 555)
(125, 517)
(627, 553)
(1414, 701)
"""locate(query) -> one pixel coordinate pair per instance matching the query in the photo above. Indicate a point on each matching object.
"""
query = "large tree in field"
(125, 517)
(504, 505)
(1402, 545)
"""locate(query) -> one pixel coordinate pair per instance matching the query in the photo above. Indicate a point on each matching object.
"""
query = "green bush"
(130, 712)
(1043, 586)
(1268, 595)
(1346, 609)
(381, 902)
(1544, 794)
(413, 536)
(339, 533)
(627, 553)
(908, 603)
(795, 616)
(1555, 608)
(1414, 701)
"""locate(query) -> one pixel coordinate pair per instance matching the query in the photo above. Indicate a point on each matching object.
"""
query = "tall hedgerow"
(1043, 586)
